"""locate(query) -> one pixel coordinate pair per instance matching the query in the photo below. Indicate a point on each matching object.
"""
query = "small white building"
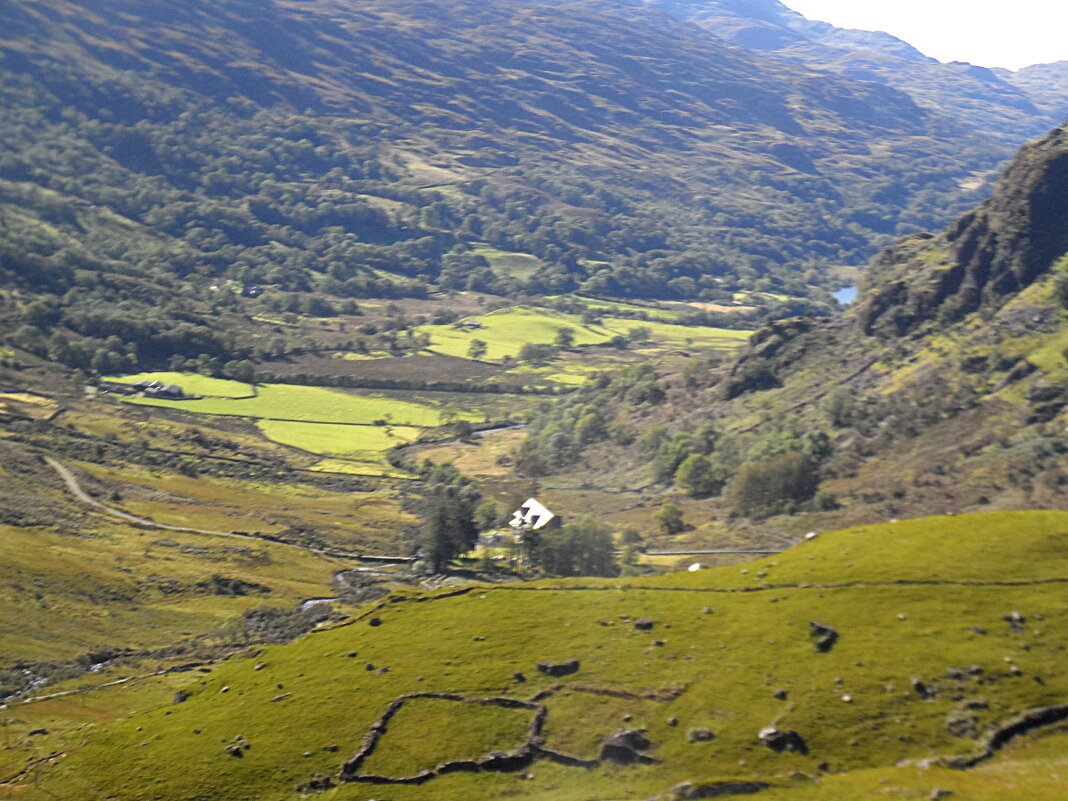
(533, 516)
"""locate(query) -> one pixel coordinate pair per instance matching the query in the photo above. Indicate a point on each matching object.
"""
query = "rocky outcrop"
(1001, 247)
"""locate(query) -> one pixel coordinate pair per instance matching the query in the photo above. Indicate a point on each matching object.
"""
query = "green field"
(921, 600)
(364, 443)
(506, 262)
(191, 383)
(314, 405)
(358, 427)
(505, 331)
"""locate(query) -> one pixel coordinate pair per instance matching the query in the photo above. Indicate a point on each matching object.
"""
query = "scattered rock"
(331, 748)
(673, 721)
(659, 643)
(826, 636)
(624, 747)
(375, 621)
(37, 732)
(181, 696)
(237, 747)
(699, 734)
(643, 624)
(922, 690)
(351, 654)
(565, 668)
(1016, 621)
(518, 676)
(779, 741)
(260, 666)
(938, 794)
(370, 666)
(780, 695)
(225, 689)
(317, 783)
(706, 610)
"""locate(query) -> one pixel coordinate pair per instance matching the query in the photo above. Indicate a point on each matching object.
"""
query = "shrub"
(774, 485)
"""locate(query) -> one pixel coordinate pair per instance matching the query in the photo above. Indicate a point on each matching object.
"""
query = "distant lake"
(845, 295)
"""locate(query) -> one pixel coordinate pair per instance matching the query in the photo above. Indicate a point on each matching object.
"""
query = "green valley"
(563, 400)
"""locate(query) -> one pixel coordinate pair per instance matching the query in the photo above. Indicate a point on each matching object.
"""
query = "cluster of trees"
(559, 433)
(450, 501)
(582, 548)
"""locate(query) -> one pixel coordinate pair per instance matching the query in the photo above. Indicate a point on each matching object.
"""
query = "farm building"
(533, 516)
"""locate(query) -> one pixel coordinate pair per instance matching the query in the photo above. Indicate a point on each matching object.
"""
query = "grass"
(311, 405)
(369, 518)
(359, 442)
(191, 383)
(62, 595)
(718, 669)
(518, 265)
(335, 423)
(473, 731)
(505, 331)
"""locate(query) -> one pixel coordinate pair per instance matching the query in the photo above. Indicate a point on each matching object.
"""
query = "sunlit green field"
(358, 442)
(507, 330)
(505, 262)
(191, 383)
(312, 405)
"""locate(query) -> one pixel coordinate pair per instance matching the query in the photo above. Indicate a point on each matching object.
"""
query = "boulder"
(825, 636)
(780, 741)
(699, 734)
(624, 746)
(643, 624)
(557, 669)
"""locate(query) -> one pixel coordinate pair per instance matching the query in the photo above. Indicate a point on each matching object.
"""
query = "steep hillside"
(826, 669)
(319, 152)
(1018, 105)
(942, 389)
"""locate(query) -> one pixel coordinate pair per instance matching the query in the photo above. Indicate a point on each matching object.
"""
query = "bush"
(699, 475)
(775, 485)
(669, 519)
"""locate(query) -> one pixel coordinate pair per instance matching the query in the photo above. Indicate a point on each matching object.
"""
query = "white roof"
(531, 515)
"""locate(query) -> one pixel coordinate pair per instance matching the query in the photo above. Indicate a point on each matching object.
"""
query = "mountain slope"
(992, 100)
(942, 389)
(365, 150)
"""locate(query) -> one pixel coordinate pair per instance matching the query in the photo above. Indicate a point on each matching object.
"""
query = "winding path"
(84, 497)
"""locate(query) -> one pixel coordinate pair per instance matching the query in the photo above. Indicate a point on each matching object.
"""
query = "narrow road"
(84, 497)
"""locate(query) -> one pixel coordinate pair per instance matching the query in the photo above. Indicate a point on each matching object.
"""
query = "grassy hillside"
(924, 666)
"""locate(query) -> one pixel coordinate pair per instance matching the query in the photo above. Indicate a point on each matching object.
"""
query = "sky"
(990, 33)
